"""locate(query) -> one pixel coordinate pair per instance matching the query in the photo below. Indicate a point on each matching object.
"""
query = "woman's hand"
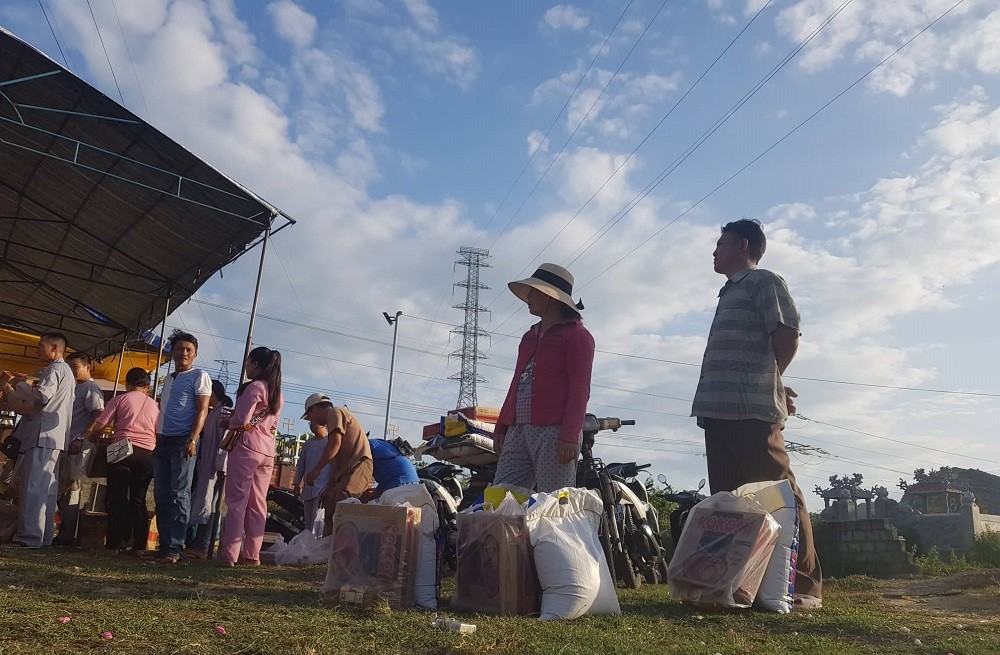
(566, 452)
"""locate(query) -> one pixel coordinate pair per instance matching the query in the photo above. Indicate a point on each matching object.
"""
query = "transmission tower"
(474, 259)
(224, 371)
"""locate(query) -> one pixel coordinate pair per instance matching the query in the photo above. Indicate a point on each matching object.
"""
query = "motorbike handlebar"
(592, 424)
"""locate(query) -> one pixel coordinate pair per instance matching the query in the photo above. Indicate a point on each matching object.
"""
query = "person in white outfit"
(311, 495)
(43, 434)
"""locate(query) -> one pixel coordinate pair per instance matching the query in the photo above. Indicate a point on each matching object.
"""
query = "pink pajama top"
(250, 404)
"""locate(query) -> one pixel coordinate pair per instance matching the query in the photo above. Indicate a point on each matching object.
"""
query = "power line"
(982, 394)
(531, 158)
(898, 441)
(554, 121)
(302, 309)
(776, 143)
(690, 150)
(644, 140)
(579, 125)
(106, 55)
(51, 29)
(128, 51)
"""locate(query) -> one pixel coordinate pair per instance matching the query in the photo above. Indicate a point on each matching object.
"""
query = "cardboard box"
(478, 413)
(432, 430)
(92, 530)
(374, 555)
(496, 570)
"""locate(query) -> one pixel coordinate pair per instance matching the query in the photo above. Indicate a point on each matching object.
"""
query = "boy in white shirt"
(312, 494)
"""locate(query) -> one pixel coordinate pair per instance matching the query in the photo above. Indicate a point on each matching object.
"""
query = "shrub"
(987, 549)
(932, 564)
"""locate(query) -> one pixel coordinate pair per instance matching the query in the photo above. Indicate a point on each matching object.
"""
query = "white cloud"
(871, 31)
(292, 22)
(537, 143)
(447, 57)
(566, 17)
(423, 15)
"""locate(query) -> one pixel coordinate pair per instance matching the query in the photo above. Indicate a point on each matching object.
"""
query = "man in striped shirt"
(741, 402)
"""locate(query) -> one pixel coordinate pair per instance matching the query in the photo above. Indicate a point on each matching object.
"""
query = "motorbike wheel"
(663, 566)
(626, 572)
(606, 546)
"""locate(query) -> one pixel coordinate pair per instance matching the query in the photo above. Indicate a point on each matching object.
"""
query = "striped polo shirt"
(739, 374)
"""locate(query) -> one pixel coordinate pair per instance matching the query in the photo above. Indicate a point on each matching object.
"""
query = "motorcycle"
(441, 481)
(685, 500)
(285, 513)
(630, 541)
(639, 521)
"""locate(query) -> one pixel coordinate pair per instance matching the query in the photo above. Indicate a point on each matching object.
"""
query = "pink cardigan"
(560, 387)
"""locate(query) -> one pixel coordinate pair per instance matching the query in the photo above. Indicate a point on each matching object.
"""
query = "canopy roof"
(103, 219)
(18, 354)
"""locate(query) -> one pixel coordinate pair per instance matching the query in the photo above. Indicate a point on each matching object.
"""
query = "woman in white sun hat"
(540, 427)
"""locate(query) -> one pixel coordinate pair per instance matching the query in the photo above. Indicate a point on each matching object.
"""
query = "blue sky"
(394, 130)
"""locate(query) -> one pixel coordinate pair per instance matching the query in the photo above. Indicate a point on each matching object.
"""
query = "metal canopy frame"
(105, 223)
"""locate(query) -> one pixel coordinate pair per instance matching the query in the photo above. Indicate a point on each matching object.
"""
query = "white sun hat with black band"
(552, 280)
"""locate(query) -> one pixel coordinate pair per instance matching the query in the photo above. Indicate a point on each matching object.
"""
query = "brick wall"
(870, 546)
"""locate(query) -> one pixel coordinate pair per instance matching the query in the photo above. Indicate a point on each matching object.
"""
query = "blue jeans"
(173, 474)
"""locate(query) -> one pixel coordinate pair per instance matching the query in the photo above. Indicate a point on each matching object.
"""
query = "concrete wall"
(869, 546)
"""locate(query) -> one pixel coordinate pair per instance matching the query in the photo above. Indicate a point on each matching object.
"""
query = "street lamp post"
(394, 321)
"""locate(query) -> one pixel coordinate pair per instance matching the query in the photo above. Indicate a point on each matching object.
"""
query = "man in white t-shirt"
(87, 406)
(183, 408)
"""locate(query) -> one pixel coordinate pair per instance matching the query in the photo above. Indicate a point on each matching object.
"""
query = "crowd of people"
(192, 444)
(740, 403)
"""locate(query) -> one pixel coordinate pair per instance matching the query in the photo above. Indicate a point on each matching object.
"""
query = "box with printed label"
(373, 556)
(496, 571)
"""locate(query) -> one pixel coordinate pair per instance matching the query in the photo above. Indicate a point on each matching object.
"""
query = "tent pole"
(256, 297)
(163, 331)
(121, 359)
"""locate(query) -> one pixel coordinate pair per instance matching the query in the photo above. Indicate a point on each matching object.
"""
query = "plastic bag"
(495, 573)
(722, 554)
(303, 549)
(778, 586)
(373, 555)
(427, 578)
(572, 569)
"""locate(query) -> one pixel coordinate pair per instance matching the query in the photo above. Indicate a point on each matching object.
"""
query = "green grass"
(155, 609)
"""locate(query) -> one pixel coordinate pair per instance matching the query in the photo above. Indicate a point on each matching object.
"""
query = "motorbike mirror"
(662, 479)
(701, 484)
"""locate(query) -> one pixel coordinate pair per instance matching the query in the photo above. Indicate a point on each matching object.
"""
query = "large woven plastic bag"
(427, 583)
(572, 569)
(778, 586)
(722, 553)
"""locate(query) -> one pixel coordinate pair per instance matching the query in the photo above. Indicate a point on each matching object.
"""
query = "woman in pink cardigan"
(540, 427)
(251, 459)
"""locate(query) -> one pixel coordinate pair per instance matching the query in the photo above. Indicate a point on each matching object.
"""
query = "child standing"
(312, 494)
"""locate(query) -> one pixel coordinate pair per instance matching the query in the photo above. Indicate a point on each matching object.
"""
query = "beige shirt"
(353, 441)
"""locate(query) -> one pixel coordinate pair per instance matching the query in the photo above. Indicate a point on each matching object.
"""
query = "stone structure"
(933, 497)
(873, 539)
(868, 546)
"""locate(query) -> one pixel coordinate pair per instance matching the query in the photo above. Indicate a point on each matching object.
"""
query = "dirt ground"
(971, 593)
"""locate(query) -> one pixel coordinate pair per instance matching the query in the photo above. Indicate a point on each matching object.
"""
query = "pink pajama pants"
(248, 475)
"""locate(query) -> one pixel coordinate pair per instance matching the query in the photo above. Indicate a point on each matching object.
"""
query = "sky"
(614, 138)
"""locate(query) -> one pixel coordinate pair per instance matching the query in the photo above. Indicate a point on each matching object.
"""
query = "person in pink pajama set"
(252, 459)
